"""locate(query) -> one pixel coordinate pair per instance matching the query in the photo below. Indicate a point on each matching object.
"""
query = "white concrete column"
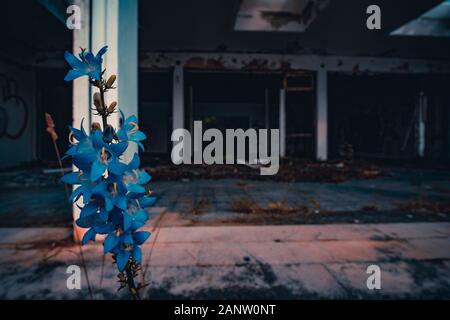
(282, 124)
(81, 92)
(322, 116)
(115, 23)
(178, 98)
(81, 86)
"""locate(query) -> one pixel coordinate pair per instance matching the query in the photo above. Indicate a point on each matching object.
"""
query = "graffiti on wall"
(14, 110)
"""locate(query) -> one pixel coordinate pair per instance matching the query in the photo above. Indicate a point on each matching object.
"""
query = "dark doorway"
(155, 110)
(232, 100)
(378, 115)
(300, 117)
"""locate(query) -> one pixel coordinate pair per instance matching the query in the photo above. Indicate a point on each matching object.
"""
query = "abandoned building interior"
(309, 68)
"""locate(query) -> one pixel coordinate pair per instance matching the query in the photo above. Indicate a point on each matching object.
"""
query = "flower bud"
(112, 106)
(98, 102)
(95, 126)
(110, 81)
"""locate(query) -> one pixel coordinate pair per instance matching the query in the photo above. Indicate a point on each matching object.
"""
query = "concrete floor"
(281, 262)
(197, 255)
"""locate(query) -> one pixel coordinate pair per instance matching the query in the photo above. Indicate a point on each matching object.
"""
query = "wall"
(17, 113)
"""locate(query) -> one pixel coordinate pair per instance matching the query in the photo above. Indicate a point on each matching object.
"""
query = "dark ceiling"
(26, 26)
(207, 25)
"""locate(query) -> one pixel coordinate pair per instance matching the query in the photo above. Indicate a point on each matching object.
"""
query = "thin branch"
(83, 264)
(102, 270)
(147, 263)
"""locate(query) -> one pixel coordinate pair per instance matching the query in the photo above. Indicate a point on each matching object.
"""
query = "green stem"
(130, 279)
(102, 100)
(131, 285)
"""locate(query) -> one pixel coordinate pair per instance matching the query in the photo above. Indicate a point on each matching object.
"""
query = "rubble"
(424, 206)
(291, 170)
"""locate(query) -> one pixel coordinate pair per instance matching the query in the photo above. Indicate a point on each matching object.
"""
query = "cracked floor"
(241, 262)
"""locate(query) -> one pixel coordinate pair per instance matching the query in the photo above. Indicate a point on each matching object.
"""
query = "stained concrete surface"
(194, 255)
(243, 262)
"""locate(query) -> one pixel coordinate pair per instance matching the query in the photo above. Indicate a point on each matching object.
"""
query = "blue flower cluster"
(112, 191)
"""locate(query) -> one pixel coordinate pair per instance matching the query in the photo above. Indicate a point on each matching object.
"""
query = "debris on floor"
(424, 206)
(291, 170)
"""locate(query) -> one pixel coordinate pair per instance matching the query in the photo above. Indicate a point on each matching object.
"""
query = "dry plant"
(199, 207)
(246, 205)
(424, 206)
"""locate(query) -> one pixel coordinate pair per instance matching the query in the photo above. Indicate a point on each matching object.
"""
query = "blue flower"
(133, 178)
(113, 192)
(115, 202)
(86, 188)
(125, 245)
(86, 65)
(91, 154)
(130, 131)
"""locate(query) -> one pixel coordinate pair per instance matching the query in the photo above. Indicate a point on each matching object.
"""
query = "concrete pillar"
(266, 108)
(81, 91)
(322, 116)
(178, 98)
(282, 122)
(115, 23)
(421, 125)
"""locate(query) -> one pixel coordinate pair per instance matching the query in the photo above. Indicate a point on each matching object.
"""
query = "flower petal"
(73, 74)
(110, 242)
(136, 188)
(97, 170)
(140, 237)
(135, 162)
(137, 136)
(144, 177)
(126, 221)
(97, 140)
(137, 254)
(147, 201)
(140, 215)
(122, 260)
(101, 52)
(118, 148)
(89, 235)
(116, 167)
(73, 61)
(71, 178)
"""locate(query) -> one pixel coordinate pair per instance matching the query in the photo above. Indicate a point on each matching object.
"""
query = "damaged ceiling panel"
(277, 15)
(433, 23)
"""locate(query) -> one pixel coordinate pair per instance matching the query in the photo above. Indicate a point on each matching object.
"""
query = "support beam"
(266, 108)
(322, 116)
(282, 118)
(128, 64)
(114, 23)
(421, 125)
(178, 98)
(81, 92)
(282, 63)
